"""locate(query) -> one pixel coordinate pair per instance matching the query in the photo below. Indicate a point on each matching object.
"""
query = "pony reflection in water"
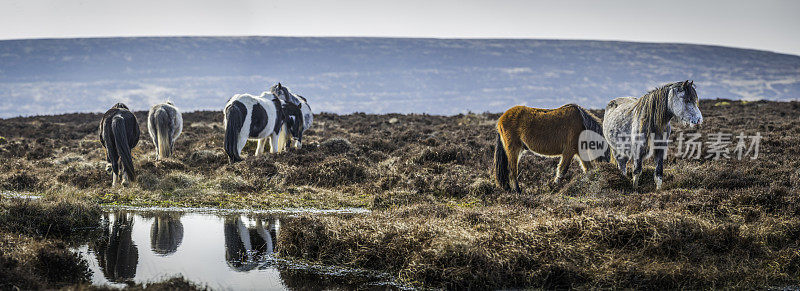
(116, 253)
(545, 132)
(166, 233)
(247, 246)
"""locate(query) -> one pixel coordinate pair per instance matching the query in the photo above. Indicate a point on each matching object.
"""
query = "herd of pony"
(633, 128)
(281, 119)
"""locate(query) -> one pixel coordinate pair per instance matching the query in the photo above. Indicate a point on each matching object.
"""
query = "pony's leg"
(658, 157)
(585, 165)
(638, 160)
(276, 143)
(563, 166)
(622, 162)
(260, 147)
(283, 138)
(114, 179)
(513, 152)
(155, 143)
(271, 141)
(124, 178)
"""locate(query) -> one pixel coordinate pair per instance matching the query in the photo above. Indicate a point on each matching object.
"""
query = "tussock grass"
(438, 220)
(497, 247)
(33, 254)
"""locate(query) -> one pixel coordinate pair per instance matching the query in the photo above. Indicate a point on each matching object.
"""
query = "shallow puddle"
(219, 250)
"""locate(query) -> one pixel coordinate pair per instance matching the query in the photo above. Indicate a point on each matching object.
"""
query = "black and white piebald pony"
(251, 117)
(297, 115)
(119, 134)
(165, 123)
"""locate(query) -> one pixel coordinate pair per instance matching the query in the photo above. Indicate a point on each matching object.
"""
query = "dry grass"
(33, 252)
(439, 222)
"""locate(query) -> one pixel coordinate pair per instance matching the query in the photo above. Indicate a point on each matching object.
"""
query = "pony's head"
(294, 123)
(298, 113)
(282, 93)
(298, 118)
(683, 103)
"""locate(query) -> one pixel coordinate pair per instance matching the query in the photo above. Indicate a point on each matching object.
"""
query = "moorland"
(437, 220)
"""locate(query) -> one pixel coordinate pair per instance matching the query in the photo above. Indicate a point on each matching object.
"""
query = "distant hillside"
(376, 75)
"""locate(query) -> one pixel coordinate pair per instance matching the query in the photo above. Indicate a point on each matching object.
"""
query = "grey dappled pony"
(632, 125)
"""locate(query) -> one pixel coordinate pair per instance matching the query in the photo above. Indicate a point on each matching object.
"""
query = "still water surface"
(222, 251)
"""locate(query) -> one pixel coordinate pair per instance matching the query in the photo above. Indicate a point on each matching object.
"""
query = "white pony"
(165, 123)
(297, 116)
(251, 117)
(632, 125)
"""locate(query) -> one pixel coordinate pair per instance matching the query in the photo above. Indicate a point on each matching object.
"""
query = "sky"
(771, 25)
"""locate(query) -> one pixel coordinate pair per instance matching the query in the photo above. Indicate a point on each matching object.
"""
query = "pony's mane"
(651, 109)
(290, 97)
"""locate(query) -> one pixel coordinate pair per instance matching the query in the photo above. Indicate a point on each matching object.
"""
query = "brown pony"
(546, 132)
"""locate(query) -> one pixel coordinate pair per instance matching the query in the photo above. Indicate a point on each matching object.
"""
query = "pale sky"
(772, 25)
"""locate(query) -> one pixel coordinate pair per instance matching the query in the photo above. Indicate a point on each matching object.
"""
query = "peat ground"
(438, 220)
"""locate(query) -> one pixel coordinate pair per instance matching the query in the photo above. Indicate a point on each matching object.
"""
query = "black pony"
(119, 133)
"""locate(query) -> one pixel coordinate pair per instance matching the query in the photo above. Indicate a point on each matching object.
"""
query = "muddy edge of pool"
(438, 220)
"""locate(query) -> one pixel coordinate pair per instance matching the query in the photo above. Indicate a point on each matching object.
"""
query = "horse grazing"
(119, 133)
(632, 125)
(251, 117)
(546, 132)
(165, 123)
(297, 116)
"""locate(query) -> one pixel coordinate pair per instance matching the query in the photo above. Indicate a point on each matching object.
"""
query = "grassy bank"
(670, 239)
(437, 219)
(34, 236)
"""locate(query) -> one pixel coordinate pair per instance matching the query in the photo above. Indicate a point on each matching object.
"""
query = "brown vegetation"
(438, 221)
(33, 243)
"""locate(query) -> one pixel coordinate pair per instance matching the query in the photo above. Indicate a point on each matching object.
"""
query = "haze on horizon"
(766, 25)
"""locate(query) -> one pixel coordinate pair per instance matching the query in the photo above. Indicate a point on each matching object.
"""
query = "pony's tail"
(163, 133)
(501, 171)
(234, 122)
(123, 149)
(590, 122)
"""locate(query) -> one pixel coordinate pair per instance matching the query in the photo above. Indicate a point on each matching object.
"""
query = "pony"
(546, 132)
(631, 125)
(119, 134)
(165, 123)
(251, 117)
(297, 115)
